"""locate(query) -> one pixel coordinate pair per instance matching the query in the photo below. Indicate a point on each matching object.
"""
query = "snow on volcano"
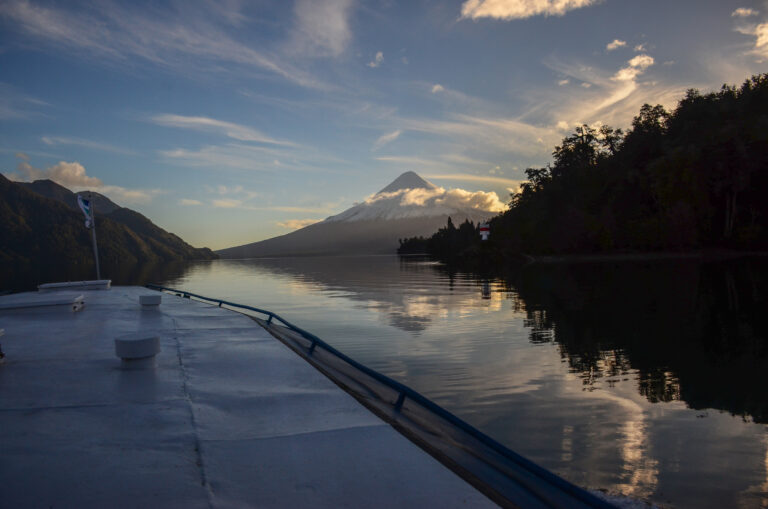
(410, 196)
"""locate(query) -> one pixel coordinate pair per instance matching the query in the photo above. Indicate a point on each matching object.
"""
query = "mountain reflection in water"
(642, 378)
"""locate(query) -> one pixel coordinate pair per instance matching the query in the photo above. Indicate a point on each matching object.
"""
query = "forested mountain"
(692, 178)
(37, 229)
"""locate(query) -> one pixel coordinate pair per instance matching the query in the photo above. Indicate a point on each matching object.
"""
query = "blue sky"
(230, 122)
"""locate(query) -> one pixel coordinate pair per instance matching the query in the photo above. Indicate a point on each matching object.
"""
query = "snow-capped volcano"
(410, 196)
(409, 206)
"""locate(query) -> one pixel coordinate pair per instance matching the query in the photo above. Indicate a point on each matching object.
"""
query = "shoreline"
(702, 255)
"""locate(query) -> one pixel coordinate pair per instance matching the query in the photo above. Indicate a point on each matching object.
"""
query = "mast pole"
(93, 235)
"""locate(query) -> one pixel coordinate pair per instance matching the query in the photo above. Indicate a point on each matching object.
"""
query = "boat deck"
(229, 417)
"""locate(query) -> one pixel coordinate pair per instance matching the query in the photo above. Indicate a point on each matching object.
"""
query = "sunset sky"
(230, 122)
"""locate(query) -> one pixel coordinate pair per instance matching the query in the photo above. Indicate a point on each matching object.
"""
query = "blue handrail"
(406, 392)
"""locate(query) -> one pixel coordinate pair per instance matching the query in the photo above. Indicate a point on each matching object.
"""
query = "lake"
(648, 379)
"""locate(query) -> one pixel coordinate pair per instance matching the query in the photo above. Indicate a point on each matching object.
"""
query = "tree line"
(687, 179)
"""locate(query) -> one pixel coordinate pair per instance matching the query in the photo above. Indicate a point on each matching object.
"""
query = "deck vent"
(150, 299)
(137, 350)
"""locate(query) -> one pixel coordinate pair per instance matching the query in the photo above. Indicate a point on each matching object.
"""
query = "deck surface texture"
(229, 417)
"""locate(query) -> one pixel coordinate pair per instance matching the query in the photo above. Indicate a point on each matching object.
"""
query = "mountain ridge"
(42, 230)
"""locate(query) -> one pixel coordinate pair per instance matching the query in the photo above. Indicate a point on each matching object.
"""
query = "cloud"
(520, 9)
(563, 82)
(761, 39)
(478, 200)
(498, 133)
(123, 195)
(453, 198)
(198, 39)
(321, 27)
(615, 44)
(73, 176)
(189, 202)
(437, 87)
(295, 224)
(476, 178)
(227, 203)
(67, 174)
(260, 158)
(386, 139)
(759, 31)
(63, 140)
(744, 12)
(16, 105)
(611, 100)
(22, 156)
(639, 47)
(377, 60)
(211, 125)
(636, 66)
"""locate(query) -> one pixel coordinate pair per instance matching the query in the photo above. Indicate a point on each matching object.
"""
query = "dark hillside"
(36, 231)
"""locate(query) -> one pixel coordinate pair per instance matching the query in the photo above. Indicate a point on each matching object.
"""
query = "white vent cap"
(150, 299)
(137, 346)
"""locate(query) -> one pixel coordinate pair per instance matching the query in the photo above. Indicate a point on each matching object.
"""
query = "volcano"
(408, 207)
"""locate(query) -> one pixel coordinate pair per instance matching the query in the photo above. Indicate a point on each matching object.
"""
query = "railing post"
(400, 401)
(312, 348)
(269, 320)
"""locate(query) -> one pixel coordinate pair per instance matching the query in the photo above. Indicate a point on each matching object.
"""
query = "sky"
(230, 122)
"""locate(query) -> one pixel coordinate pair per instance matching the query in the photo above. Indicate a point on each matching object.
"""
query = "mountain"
(50, 189)
(47, 228)
(408, 207)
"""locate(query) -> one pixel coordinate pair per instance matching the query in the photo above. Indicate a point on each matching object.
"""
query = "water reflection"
(403, 290)
(618, 376)
(24, 277)
(696, 332)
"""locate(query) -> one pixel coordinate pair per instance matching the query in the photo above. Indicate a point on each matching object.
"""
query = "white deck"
(230, 417)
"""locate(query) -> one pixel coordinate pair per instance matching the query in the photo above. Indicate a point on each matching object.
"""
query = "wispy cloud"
(295, 224)
(227, 203)
(463, 177)
(614, 97)
(744, 12)
(437, 87)
(377, 60)
(187, 202)
(386, 139)
(16, 105)
(416, 163)
(520, 9)
(80, 142)
(321, 27)
(240, 156)
(212, 125)
(232, 203)
(198, 37)
(615, 44)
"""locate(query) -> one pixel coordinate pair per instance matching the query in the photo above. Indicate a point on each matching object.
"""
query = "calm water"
(646, 379)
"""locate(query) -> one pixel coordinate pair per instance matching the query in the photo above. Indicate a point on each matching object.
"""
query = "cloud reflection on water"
(593, 386)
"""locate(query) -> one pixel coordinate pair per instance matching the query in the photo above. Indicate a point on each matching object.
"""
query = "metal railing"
(405, 392)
